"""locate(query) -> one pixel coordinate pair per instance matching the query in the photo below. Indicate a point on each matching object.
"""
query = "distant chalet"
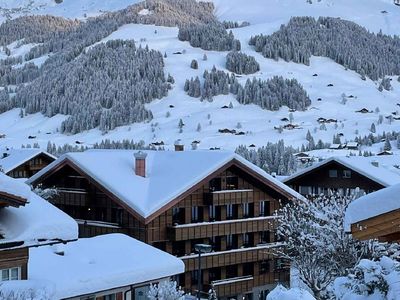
(23, 163)
(174, 200)
(345, 175)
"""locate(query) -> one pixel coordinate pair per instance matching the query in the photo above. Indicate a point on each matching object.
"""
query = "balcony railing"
(230, 257)
(220, 228)
(228, 197)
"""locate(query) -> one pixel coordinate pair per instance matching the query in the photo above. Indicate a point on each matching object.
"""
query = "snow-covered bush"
(165, 290)
(370, 280)
(212, 293)
(282, 293)
(26, 290)
(316, 243)
(45, 193)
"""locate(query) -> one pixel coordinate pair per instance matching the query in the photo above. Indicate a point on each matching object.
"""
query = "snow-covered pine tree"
(212, 294)
(165, 290)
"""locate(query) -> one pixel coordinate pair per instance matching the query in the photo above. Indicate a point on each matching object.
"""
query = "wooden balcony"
(228, 197)
(219, 228)
(234, 286)
(72, 197)
(230, 257)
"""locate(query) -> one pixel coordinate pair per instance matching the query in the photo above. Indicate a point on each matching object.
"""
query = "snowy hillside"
(335, 93)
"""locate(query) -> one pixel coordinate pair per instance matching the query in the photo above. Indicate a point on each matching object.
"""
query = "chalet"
(352, 146)
(336, 146)
(303, 157)
(345, 174)
(120, 268)
(23, 225)
(375, 216)
(174, 200)
(23, 163)
(32, 252)
(384, 152)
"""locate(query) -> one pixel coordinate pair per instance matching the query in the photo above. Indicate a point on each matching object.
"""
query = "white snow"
(265, 17)
(158, 188)
(38, 222)
(100, 263)
(385, 173)
(372, 205)
(282, 293)
(13, 158)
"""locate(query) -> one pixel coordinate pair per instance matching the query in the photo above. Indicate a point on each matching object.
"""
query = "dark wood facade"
(384, 227)
(14, 264)
(332, 176)
(232, 210)
(31, 167)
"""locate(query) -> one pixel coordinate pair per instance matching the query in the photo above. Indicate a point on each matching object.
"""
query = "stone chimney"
(140, 163)
(179, 146)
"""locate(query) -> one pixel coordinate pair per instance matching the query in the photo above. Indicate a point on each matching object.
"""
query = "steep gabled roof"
(13, 158)
(169, 174)
(38, 222)
(385, 173)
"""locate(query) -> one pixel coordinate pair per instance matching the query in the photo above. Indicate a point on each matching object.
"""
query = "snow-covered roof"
(100, 263)
(37, 222)
(384, 173)
(168, 174)
(13, 158)
(372, 205)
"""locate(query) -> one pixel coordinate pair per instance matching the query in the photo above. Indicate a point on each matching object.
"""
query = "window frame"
(9, 273)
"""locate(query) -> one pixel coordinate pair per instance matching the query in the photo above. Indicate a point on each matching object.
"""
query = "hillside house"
(174, 200)
(345, 175)
(23, 163)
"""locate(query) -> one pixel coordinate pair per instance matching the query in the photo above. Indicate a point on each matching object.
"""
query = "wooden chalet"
(345, 175)
(22, 226)
(174, 200)
(23, 163)
(376, 216)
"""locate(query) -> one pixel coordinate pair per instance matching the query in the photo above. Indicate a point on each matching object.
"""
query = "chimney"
(375, 163)
(140, 163)
(179, 146)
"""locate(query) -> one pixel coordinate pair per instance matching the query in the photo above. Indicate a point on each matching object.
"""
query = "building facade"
(230, 208)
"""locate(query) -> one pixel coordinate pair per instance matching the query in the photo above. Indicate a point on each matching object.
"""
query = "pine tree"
(194, 64)
(387, 146)
(198, 127)
(373, 129)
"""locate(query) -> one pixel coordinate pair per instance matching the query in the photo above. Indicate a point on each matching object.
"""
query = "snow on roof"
(13, 158)
(35, 223)
(168, 174)
(100, 263)
(385, 173)
(372, 205)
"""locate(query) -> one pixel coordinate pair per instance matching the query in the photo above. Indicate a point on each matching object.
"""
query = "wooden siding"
(15, 258)
(226, 258)
(197, 231)
(31, 167)
(385, 227)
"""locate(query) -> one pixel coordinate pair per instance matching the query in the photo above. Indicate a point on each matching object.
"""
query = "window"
(265, 237)
(264, 208)
(92, 297)
(215, 184)
(246, 210)
(229, 211)
(178, 215)
(195, 276)
(229, 241)
(247, 240)
(11, 274)
(232, 182)
(141, 293)
(305, 190)
(346, 173)
(211, 212)
(264, 266)
(195, 213)
(333, 173)
(248, 269)
(110, 297)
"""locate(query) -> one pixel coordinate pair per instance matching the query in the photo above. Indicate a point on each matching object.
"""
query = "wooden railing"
(231, 257)
(220, 228)
(228, 197)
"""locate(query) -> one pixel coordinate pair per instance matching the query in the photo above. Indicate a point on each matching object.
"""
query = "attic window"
(232, 182)
(346, 173)
(333, 173)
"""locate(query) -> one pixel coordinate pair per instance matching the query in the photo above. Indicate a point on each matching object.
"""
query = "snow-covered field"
(265, 17)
